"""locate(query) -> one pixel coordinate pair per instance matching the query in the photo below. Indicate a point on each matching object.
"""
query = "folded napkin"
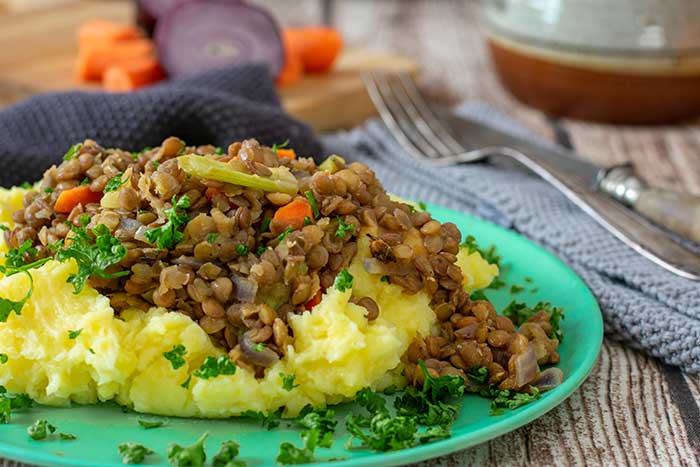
(643, 305)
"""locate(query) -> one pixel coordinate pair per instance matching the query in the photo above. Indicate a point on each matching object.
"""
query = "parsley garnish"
(269, 420)
(219, 150)
(261, 249)
(259, 347)
(4, 358)
(528, 279)
(241, 249)
(319, 425)
(519, 313)
(94, 256)
(343, 281)
(176, 356)
(4, 228)
(265, 226)
(149, 424)
(155, 164)
(73, 151)
(490, 254)
(212, 237)
(133, 453)
(167, 235)
(286, 232)
(91, 351)
(496, 284)
(10, 402)
(115, 182)
(213, 367)
(226, 457)
(479, 374)
(135, 156)
(67, 436)
(288, 382)
(48, 190)
(26, 185)
(85, 181)
(422, 206)
(186, 384)
(478, 295)
(507, 399)
(193, 455)
(19, 260)
(74, 334)
(312, 201)
(343, 228)
(40, 430)
(275, 147)
(516, 289)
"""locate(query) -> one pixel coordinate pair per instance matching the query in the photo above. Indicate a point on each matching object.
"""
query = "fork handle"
(677, 212)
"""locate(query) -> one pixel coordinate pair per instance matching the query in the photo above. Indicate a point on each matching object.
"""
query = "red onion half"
(201, 35)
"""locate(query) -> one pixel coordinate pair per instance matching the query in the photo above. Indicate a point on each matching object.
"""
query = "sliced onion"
(548, 379)
(246, 290)
(201, 35)
(130, 225)
(264, 357)
(525, 367)
(501, 357)
(190, 261)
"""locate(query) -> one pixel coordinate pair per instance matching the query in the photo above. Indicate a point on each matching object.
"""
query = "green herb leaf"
(478, 295)
(168, 235)
(184, 456)
(312, 201)
(226, 457)
(265, 226)
(288, 382)
(212, 237)
(286, 232)
(84, 181)
(519, 313)
(91, 351)
(115, 182)
(307, 221)
(213, 367)
(149, 424)
(385, 279)
(133, 453)
(516, 288)
(507, 399)
(48, 190)
(260, 250)
(4, 358)
(93, 255)
(186, 383)
(176, 356)
(40, 430)
(422, 206)
(73, 151)
(10, 402)
(74, 334)
(26, 185)
(67, 436)
(241, 249)
(479, 374)
(219, 150)
(343, 280)
(496, 284)
(343, 228)
(291, 455)
(155, 164)
(259, 347)
(275, 147)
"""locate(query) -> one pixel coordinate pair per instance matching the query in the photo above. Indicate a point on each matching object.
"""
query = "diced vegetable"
(317, 47)
(93, 60)
(293, 214)
(133, 74)
(286, 153)
(332, 163)
(234, 33)
(98, 31)
(281, 179)
(68, 199)
(293, 68)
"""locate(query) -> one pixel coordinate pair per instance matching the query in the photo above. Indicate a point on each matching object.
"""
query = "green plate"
(101, 428)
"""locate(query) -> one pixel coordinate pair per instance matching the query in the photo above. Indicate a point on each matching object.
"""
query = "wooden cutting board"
(38, 50)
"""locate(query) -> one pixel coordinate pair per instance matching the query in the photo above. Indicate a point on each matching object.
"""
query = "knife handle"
(677, 212)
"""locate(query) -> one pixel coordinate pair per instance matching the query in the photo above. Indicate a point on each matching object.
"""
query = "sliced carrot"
(133, 74)
(68, 199)
(102, 31)
(293, 68)
(94, 59)
(317, 47)
(315, 300)
(294, 213)
(286, 153)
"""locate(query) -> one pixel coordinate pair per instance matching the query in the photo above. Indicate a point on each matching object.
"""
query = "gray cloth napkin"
(643, 305)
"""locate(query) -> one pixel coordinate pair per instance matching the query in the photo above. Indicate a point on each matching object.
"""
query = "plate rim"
(513, 421)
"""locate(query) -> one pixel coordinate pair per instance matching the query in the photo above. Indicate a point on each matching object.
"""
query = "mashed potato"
(336, 351)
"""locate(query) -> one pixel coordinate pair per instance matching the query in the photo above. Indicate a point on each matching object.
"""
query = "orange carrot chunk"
(101, 31)
(68, 199)
(294, 213)
(286, 153)
(293, 68)
(133, 74)
(93, 60)
(317, 47)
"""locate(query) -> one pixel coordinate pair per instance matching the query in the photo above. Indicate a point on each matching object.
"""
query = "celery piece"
(281, 179)
(332, 164)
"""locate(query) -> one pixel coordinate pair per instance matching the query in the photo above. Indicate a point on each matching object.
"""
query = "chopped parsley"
(116, 182)
(290, 454)
(26, 185)
(260, 250)
(93, 255)
(508, 399)
(312, 201)
(343, 280)
(133, 453)
(149, 424)
(73, 151)
(48, 190)
(226, 457)
(385, 279)
(307, 221)
(422, 206)
(269, 420)
(275, 147)
(4, 227)
(496, 284)
(211, 238)
(186, 383)
(91, 351)
(213, 367)
(168, 235)
(478, 295)
(155, 164)
(67, 436)
(479, 374)
(519, 313)
(193, 455)
(319, 426)
(288, 382)
(265, 226)
(259, 347)
(528, 279)
(535, 290)
(286, 232)
(135, 156)
(490, 255)
(219, 150)
(85, 181)
(241, 249)
(343, 228)
(516, 288)
(19, 260)
(74, 334)
(10, 402)
(176, 356)
(4, 358)
(40, 430)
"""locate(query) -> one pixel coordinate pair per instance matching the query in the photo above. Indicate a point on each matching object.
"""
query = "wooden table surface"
(627, 412)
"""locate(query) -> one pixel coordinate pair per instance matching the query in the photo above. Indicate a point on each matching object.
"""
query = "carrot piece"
(294, 213)
(286, 153)
(101, 31)
(313, 301)
(68, 199)
(133, 74)
(317, 47)
(293, 68)
(93, 60)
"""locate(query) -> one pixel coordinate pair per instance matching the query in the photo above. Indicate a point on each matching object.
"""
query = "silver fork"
(611, 196)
